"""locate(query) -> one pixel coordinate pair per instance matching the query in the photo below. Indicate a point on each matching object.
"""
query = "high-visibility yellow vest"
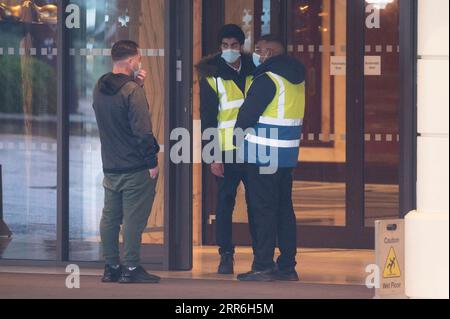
(284, 117)
(231, 99)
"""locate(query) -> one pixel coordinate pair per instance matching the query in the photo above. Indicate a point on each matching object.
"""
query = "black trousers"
(270, 199)
(228, 186)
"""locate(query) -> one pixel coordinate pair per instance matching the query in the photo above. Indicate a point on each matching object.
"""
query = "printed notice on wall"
(372, 65)
(338, 65)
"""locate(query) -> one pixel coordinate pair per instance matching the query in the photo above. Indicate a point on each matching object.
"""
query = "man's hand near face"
(140, 79)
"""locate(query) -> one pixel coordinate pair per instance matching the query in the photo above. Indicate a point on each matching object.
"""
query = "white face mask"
(231, 56)
(258, 57)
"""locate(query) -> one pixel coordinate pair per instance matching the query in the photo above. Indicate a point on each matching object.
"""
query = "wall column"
(427, 229)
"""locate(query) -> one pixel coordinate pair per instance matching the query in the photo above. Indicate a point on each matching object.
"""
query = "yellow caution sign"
(392, 268)
(390, 258)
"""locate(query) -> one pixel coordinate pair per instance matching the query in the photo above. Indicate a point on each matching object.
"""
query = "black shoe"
(226, 266)
(137, 276)
(286, 275)
(111, 274)
(254, 275)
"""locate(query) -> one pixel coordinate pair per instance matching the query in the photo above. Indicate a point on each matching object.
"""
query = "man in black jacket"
(130, 164)
(274, 103)
(224, 81)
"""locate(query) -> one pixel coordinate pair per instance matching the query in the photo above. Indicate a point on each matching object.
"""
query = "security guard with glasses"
(274, 110)
(224, 81)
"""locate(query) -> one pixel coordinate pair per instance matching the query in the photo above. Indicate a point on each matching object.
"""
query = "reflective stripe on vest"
(231, 99)
(272, 142)
(280, 122)
(225, 104)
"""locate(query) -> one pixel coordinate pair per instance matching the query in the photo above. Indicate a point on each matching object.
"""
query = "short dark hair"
(273, 38)
(124, 49)
(231, 31)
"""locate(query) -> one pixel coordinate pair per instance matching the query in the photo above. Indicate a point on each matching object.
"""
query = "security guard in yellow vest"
(273, 111)
(224, 81)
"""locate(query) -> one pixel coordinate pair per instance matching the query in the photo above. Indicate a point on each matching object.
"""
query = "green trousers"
(128, 203)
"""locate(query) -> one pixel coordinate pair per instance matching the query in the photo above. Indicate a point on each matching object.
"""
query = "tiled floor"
(315, 266)
(337, 267)
(26, 286)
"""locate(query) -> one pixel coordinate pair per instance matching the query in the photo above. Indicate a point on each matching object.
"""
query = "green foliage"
(43, 85)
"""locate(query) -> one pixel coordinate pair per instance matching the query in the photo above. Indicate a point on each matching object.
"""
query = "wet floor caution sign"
(392, 267)
(390, 258)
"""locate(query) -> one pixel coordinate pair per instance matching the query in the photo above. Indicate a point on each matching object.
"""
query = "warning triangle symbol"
(392, 268)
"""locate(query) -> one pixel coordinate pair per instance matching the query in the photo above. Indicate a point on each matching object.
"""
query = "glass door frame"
(178, 234)
(176, 251)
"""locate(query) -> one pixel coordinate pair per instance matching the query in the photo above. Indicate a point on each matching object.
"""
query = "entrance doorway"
(349, 168)
(357, 161)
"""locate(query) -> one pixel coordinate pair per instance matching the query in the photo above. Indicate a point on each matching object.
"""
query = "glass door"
(317, 36)
(52, 53)
(102, 24)
(162, 30)
(28, 129)
(382, 87)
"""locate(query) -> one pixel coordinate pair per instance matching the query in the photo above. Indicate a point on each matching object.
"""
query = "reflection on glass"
(382, 94)
(317, 36)
(242, 13)
(255, 17)
(36, 12)
(28, 128)
(106, 22)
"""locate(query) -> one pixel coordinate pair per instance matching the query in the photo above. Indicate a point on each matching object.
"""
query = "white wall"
(427, 229)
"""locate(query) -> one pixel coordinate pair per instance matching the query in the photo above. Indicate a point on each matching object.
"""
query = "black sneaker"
(137, 275)
(112, 274)
(254, 275)
(226, 266)
(286, 275)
